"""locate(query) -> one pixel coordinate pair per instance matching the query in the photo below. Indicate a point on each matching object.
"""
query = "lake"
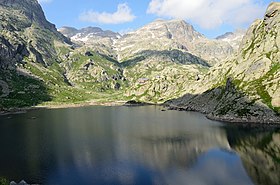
(134, 145)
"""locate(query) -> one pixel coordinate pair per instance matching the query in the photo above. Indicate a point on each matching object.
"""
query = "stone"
(88, 53)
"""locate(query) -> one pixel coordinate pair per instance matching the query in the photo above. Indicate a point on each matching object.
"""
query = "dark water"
(134, 145)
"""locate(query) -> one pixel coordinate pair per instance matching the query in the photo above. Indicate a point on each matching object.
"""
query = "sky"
(210, 17)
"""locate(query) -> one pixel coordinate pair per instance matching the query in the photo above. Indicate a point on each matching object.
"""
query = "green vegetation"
(4, 181)
(26, 91)
(260, 88)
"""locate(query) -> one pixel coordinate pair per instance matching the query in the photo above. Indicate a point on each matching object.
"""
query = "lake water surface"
(134, 145)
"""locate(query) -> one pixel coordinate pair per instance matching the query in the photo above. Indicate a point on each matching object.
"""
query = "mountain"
(233, 38)
(68, 31)
(85, 34)
(246, 88)
(29, 54)
(149, 73)
(160, 35)
(26, 32)
(40, 65)
(171, 34)
(97, 39)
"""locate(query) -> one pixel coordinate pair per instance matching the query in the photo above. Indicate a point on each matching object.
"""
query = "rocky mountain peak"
(87, 34)
(233, 38)
(29, 8)
(177, 28)
(15, 3)
(272, 9)
(226, 35)
(68, 31)
(271, 15)
(23, 25)
(177, 34)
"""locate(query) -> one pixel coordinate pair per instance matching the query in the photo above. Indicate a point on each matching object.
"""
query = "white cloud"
(122, 15)
(209, 13)
(44, 1)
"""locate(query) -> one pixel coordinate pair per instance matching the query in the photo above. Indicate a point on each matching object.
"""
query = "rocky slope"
(27, 44)
(247, 87)
(97, 39)
(31, 54)
(26, 32)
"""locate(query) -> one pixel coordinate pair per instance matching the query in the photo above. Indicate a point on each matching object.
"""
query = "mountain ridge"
(170, 34)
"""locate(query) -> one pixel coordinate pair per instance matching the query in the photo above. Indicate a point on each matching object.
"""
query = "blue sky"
(210, 17)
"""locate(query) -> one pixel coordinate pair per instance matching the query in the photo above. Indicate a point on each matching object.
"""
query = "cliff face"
(30, 9)
(246, 88)
(28, 46)
(25, 32)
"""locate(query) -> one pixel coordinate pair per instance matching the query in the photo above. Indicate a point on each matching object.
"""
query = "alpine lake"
(139, 145)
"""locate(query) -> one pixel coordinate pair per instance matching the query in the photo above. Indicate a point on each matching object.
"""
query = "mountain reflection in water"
(134, 145)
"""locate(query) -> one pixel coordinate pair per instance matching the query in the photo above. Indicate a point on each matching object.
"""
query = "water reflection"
(138, 145)
(260, 153)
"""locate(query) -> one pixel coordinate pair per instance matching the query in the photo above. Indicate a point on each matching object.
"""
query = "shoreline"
(55, 105)
(60, 106)
(229, 120)
(245, 121)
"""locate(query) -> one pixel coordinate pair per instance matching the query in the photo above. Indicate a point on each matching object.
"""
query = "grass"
(260, 88)
(51, 89)
(26, 91)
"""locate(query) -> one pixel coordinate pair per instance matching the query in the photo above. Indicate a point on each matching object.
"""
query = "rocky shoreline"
(245, 120)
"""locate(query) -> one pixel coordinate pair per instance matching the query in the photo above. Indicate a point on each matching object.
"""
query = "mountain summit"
(26, 32)
(30, 9)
